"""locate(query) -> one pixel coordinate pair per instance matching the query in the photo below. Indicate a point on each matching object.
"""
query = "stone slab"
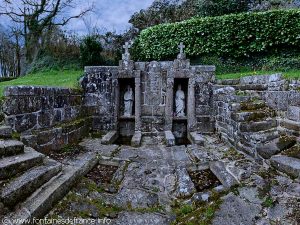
(185, 186)
(219, 169)
(236, 211)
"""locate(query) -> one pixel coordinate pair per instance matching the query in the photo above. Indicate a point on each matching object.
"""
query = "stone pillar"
(116, 89)
(169, 103)
(191, 107)
(138, 101)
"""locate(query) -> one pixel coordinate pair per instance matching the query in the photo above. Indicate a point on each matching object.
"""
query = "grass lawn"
(292, 74)
(63, 78)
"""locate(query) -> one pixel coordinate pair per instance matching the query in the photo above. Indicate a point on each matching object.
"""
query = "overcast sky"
(112, 15)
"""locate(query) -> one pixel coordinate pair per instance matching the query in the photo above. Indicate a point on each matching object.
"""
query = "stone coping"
(39, 90)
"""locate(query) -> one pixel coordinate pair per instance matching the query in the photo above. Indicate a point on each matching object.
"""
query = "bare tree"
(38, 16)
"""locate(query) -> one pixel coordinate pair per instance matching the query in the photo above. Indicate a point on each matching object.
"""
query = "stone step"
(10, 166)
(11, 147)
(228, 82)
(44, 199)
(5, 132)
(290, 125)
(276, 146)
(261, 136)
(246, 149)
(285, 164)
(254, 87)
(257, 126)
(255, 115)
(21, 187)
(250, 106)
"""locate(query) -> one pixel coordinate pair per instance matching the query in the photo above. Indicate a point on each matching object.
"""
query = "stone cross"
(127, 46)
(181, 47)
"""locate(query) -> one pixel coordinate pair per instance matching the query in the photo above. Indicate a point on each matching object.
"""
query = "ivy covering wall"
(234, 35)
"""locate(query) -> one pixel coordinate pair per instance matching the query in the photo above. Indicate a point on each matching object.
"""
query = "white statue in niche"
(128, 101)
(180, 102)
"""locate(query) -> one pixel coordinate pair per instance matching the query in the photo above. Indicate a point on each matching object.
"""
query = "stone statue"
(180, 102)
(128, 101)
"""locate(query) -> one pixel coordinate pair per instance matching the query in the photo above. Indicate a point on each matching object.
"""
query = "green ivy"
(235, 35)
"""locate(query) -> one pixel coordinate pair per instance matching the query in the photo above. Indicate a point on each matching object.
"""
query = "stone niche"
(126, 121)
(180, 122)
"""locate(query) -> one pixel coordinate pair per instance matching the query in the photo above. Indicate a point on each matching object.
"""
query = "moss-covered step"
(276, 146)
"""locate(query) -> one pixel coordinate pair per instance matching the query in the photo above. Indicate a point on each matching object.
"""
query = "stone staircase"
(22, 171)
(31, 183)
(255, 128)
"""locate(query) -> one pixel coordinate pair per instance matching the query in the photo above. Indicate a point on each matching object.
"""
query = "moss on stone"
(198, 214)
(16, 135)
(286, 142)
(233, 154)
(252, 105)
(293, 152)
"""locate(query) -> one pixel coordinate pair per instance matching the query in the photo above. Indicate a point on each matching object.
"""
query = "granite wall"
(47, 118)
(253, 110)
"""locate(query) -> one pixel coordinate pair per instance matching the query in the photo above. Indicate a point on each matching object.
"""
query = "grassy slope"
(292, 74)
(66, 78)
(69, 78)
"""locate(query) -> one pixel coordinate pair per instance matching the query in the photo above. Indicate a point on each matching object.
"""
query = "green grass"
(58, 78)
(292, 74)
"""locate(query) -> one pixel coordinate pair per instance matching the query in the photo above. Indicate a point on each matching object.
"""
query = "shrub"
(221, 7)
(90, 51)
(235, 35)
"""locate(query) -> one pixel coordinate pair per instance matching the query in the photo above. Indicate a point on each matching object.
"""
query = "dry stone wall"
(47, 117)
(254, 110)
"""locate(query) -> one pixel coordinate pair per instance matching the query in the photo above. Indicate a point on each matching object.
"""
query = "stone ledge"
(22, 90)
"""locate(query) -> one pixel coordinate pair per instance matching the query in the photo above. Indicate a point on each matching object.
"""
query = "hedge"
(232, 35)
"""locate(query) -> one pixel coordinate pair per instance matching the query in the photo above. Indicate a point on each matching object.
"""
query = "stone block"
(110, 137)
(5, 132)
(136, 139)
(30, 140)
(293, 113)
(196, 138)
(257, 126)
(170, 139)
